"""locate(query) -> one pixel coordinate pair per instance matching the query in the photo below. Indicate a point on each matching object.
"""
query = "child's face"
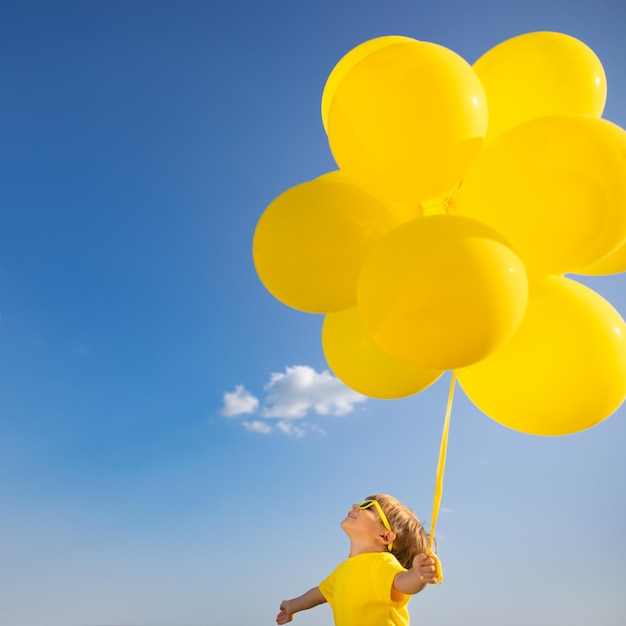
(364, 525)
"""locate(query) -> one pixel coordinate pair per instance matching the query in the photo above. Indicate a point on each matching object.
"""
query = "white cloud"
(290, 429)
(239, 402)
(256, 426)
(302, 429)
(290, 395)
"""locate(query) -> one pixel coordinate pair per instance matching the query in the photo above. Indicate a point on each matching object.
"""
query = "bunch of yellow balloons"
(463, 194)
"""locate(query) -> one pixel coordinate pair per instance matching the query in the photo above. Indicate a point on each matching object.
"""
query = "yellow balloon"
(347, 62)
(359, 363)
(563, 371)
(613, 263)
(555, 188)
(407, 121)
(539, 74)
(441, 292)
(311, 241)
(400, 212)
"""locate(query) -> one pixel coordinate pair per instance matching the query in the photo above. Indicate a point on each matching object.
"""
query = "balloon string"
(440, 469)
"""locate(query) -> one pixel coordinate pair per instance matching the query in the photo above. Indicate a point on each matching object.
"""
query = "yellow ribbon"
(439, 479)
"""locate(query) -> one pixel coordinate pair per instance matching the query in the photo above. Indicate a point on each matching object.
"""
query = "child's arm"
(415, 579)
(307, 600)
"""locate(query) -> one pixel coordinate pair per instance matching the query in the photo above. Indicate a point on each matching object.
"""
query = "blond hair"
(411, 538)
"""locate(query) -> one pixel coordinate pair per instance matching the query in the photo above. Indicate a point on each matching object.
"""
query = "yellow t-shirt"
(359, 591)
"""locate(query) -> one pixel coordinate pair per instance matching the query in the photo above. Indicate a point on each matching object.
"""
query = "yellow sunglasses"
(368, 504)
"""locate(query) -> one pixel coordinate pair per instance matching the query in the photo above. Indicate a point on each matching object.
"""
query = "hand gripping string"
(439, 479)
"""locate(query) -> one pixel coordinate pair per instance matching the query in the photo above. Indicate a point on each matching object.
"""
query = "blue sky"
(139, 144)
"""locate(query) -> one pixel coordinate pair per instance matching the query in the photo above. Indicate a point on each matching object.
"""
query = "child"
(387, 564)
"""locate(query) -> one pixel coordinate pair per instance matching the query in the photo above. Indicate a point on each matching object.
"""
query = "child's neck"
(363, 547)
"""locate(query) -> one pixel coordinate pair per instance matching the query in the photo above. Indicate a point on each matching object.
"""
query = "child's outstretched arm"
(422, 573)
(307, 600)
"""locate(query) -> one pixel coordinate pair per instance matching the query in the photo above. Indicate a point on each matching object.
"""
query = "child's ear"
(388, 537)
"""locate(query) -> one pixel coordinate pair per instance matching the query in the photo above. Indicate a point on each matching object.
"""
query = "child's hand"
(286, 613)
(425, 569)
